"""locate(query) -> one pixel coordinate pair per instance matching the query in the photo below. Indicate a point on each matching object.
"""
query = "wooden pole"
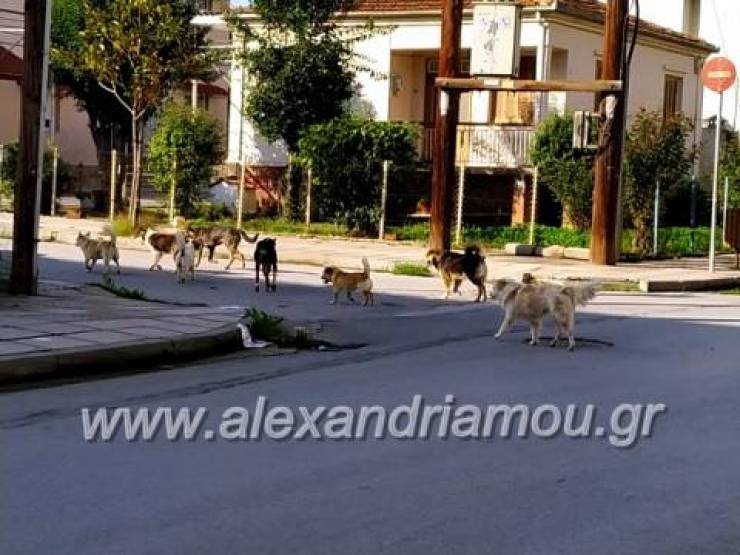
(445, 128)
(533, 213)
(460, 204)
(383, 199)
(608, 170)
(308, 197)
(173, 186)
(54, 171)
(240, 198)
(37, 17)
(113, 170)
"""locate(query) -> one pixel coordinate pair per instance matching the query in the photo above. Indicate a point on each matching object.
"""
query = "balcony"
(485, 146)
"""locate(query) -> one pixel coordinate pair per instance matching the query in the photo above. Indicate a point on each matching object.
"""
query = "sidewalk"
(68, 330)
(667, 275)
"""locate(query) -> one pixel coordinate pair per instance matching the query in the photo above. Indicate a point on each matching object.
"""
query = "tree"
(656, 151)
(730, 169)
(183, 150)
(349, 192)
(109, 121)
(566, 172)
(139, 51)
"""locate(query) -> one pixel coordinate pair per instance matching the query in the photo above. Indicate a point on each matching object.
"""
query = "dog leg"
(118, 266)
(274, 277)
(534, 328)
(350, 298)
(244, 260)
(458, 283)
(335, 297)
(554, 342)
(505, 325)
(155, 264)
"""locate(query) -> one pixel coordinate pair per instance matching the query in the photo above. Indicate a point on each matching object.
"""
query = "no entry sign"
(718, 74)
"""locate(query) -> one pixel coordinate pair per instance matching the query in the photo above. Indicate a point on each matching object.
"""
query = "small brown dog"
(454, 267)
(350, 282)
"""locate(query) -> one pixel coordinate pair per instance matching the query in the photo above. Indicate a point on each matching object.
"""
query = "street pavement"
(675, 492)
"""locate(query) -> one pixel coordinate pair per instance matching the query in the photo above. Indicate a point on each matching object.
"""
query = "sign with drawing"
(496, 28)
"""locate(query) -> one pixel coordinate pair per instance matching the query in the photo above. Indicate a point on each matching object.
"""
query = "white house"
(560, 39)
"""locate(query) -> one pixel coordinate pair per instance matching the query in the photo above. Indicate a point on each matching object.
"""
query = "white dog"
(184, 258)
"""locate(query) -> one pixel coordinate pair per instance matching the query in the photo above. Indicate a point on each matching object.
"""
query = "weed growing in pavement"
(111, 286)
(267, 327)
(410, 269)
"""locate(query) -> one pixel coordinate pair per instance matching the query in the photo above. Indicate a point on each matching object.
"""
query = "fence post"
(460, 201)
(240, 201)
(693, 214)
(383, 199)
(533, 214)
(172, 191)
(113, 174)
(724, 208)
(2, 158)
(54, 170)
(656, 216)
(308, 196)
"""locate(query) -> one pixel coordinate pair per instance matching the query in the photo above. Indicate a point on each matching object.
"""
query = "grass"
(122, 227)
(267, 327)
(410, 269)
(109, 284)
(735, 291)
(620, 287)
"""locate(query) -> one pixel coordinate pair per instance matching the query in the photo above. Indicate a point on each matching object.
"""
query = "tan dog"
(454, 267)
(532, 301)
(350, 282)
(184, 258)
(97, 249)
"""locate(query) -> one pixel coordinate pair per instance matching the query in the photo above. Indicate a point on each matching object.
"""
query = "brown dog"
(453, 267)
(350, 282)
(211, 237)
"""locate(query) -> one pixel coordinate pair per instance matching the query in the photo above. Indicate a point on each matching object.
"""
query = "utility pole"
(608, 170)
(445, 128)
(37, 16)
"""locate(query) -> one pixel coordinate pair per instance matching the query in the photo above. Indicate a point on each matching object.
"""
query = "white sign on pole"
(496, 30)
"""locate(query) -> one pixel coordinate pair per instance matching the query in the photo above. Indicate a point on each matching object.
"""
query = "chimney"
(691, 17)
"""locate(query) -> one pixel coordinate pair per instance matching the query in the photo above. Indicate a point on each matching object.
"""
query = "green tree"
(730, 169)
(656, 151)
(139, 51)
(183, 150)
(349, 192)
(566, 172)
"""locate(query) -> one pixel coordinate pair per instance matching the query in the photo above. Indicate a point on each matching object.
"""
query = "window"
(672, 96)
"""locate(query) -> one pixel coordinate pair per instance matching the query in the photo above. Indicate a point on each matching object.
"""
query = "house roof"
(590, 10)
(11, 66)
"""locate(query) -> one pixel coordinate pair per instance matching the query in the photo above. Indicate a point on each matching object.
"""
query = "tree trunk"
(642, 236)
(135, 194)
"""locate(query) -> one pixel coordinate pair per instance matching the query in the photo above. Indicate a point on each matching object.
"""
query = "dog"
(266, 260)
(184, 258)
(454, 267)
(532, 301)
(350, 282)
(211, 237)
(160, 244)
(97, 249)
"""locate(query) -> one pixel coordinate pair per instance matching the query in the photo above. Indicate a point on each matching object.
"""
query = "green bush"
(9, 169)
(347, 156)
(410, 269)
(183, 150)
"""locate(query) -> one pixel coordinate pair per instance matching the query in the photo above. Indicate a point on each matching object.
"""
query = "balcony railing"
(485, 146)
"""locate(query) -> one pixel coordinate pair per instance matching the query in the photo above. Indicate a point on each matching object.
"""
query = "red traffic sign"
(718, 74)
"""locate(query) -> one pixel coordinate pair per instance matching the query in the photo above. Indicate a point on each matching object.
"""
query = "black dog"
(265, 259)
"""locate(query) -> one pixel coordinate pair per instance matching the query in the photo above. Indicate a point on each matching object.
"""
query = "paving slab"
(7, 333)
(15, 348)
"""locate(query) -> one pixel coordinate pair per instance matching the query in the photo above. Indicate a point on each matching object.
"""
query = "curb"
(67, 363)
(711, 284)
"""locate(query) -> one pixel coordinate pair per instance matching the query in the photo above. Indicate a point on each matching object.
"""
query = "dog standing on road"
(266, 260)
(454, 267)
(184, 258)
(230, 237)
(97, 249)
(532, 301)
(160, 244)
(350, 282)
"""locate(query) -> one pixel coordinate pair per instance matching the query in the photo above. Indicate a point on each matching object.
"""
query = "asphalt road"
(677, 491)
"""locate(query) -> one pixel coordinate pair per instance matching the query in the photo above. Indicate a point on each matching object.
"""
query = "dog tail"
(247, 238)
(108, 230)
(581, 294)
(366, 266)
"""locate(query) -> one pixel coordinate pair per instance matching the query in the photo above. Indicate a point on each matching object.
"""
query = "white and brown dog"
(348, 282)
(97, 249)
(160, 243)
(531, 301)
(184, 258)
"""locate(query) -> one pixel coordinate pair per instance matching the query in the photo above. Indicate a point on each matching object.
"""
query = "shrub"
(183, 149)
(410, 269)
(9, 169)
(730, 168)
(566, 172)
(346, 155)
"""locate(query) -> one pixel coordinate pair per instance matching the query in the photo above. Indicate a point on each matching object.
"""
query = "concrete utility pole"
(445, 128)
(23, 275)
(608, 170)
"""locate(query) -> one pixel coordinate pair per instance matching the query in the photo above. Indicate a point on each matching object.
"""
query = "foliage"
(656, 151)
(183, 150)
(566, 172)
(410, 269)
(139, 52)
(299, 63)
(109, 284)
(123, 228)
(346, 156)
(9, 169)
(730, 168)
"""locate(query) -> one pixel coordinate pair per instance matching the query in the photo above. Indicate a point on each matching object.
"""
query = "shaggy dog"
(350, 282)
(266, 260)
(532, 301)
(97, 249)
(211, 237)
(453, 267)
(184, 258)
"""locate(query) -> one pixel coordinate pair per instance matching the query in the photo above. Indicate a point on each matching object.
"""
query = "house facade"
(560, 39)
